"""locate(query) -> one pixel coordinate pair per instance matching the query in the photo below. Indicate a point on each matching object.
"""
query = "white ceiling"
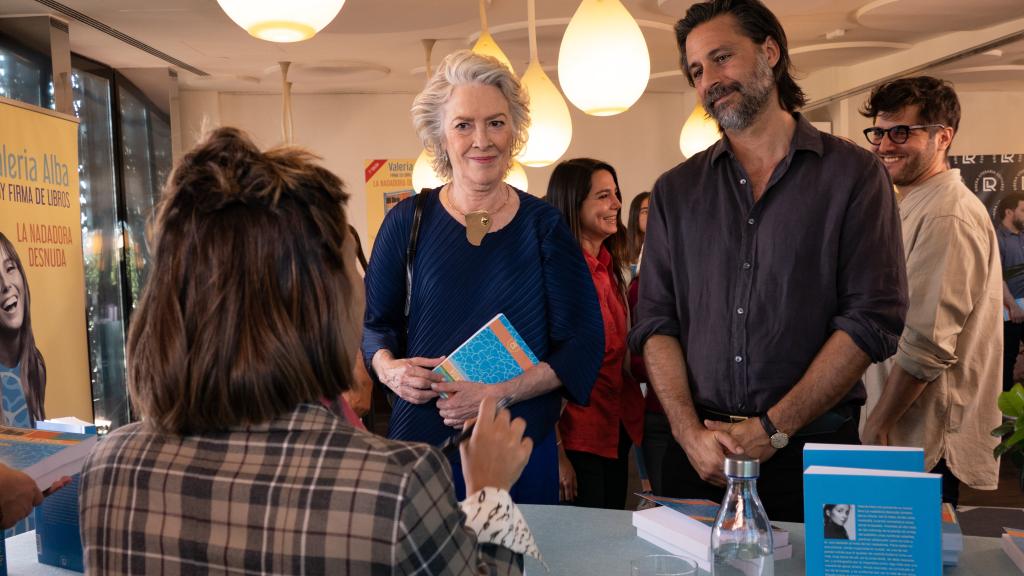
(375, 45)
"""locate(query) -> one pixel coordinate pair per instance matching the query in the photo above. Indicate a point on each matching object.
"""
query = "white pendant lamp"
(278, 21)
(550, 124)
(516, 177)
(486, 45)
(603, 63)
(698, 133)
(423, 175)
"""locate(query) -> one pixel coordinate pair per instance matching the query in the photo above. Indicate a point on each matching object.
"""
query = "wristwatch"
(778, 439)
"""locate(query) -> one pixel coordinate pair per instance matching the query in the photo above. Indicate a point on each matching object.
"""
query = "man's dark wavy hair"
(935, 99)
(756, 22)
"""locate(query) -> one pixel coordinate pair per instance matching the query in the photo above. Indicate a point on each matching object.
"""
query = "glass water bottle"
(741, 539)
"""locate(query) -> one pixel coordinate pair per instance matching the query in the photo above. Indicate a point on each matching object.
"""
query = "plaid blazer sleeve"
(432, 534)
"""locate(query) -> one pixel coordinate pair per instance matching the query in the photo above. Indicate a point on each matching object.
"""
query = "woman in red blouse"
(594, 440)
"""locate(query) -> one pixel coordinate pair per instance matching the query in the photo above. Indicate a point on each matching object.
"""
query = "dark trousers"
(602, 482)
(950, 483)
(1012, 333)
(781, 484)
(657, 439)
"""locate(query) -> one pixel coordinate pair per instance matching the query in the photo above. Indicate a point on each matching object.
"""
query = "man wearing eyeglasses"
(773, 272)
(941, 392)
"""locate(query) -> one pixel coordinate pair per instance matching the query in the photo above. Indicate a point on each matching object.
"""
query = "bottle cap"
(742, 466)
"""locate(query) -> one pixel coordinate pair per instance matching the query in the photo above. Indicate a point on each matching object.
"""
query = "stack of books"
(46, 456)
(683, 527)
(1013, 545)
(952, 536)
(871, 510)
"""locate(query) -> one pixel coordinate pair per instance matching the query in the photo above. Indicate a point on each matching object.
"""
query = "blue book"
(859, 521)
(44, 455)
(493, 354)
(58, 540)
(1013, 545)
(859, 456)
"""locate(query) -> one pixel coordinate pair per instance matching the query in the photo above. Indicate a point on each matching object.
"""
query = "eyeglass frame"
(888, 132)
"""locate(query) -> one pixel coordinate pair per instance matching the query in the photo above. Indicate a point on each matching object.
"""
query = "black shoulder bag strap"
(410, 252)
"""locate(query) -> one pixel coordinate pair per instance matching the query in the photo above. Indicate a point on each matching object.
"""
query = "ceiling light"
(603, 63)
(517, 177)
(550, 123)
(486, 45)
(698, 133)
(278, 21)
(423, 175)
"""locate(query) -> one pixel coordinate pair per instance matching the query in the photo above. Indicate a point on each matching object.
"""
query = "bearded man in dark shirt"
(773, 270)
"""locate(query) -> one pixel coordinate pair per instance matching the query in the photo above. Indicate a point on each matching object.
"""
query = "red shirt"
(615, 397)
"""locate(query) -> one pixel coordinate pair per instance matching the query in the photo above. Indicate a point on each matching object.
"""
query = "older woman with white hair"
(478, 247)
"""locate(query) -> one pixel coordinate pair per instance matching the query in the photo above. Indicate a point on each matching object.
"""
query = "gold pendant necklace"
(478, 223)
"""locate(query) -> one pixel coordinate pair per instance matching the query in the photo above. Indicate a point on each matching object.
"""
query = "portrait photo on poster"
(840, 521)
(22, 369)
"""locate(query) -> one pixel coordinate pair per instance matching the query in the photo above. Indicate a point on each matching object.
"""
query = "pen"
(450, 445)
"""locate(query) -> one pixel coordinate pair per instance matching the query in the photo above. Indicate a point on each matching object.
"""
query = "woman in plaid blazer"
(251, 315)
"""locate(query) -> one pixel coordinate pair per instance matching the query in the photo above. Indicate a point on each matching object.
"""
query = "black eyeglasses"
(897, 134)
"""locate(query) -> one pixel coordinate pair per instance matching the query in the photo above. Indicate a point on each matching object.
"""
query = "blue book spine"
(58, 540)
(872, 522)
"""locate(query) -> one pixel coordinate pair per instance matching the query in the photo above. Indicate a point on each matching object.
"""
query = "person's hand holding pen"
(496, 452)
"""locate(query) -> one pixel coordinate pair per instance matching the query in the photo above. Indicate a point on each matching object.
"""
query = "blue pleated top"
(532, 270)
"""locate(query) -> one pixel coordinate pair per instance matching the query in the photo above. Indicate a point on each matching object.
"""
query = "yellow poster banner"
(44, 360)
(388, 182)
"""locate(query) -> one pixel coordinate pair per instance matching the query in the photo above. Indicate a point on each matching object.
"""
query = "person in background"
(941, 391)
(483, 248)
(595, 439)
(773, 272)
(1009, 229)
(22, 369)
(636, 229)
(249, 317)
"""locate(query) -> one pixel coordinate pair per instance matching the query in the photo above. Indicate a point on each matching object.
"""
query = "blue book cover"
(495, 353)
(859, 456)
(58, 541)
(859, 522)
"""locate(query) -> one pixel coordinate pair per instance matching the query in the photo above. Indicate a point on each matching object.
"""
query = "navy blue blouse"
(532, 270)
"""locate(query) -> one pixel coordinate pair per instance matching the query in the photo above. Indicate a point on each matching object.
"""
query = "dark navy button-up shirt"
(1011, 252)
(753, 290)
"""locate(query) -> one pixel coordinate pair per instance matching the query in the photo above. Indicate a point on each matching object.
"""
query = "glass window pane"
(102, 245)
(25, 79)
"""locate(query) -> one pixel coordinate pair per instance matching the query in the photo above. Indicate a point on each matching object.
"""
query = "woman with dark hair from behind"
(22, 369)
(636, 230)
(250, 317)
(594, 440)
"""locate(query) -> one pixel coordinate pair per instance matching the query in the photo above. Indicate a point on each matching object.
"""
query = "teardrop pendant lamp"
(486, 45)
(698, 132)
(603, 63)
(423, 175)
(277, 21)
(550, 123)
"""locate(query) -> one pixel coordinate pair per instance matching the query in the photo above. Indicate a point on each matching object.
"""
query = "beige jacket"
(953, 337)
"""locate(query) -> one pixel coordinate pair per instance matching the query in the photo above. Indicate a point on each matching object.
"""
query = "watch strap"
(769, 428)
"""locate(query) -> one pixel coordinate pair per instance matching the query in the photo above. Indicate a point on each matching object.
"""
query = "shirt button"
(750, 221)
(738, 359)
(739, 310)
(743, 180)
(746, 265)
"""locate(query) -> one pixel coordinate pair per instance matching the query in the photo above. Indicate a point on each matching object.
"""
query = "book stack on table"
(683, 527)
(1013, 545)
(952, 536)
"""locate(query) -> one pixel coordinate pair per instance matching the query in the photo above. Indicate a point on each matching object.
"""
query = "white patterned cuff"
(496, 520)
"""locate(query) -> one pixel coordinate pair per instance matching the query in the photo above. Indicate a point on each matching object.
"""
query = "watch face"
(779, 440)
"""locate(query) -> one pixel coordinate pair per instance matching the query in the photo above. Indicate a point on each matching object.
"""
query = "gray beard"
(753, 99)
